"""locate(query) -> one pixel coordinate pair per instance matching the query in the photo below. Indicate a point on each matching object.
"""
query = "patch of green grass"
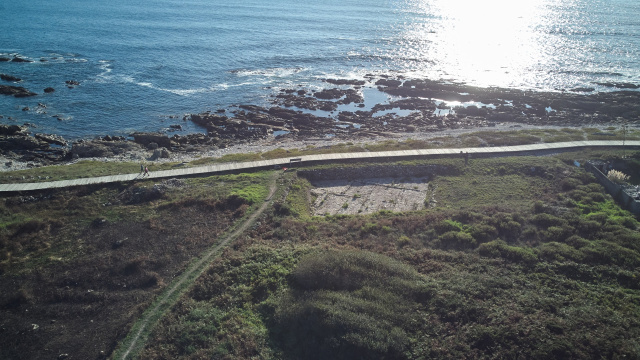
(507, 191)
(505, 138)
(297, 200)
(226, 159)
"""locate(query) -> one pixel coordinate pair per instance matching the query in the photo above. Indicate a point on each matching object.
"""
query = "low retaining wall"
(364, 172)
(617, 191)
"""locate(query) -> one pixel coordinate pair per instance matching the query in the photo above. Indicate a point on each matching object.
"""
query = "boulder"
(161, 153)
(72, 82)
(49, 90)
(147, 138)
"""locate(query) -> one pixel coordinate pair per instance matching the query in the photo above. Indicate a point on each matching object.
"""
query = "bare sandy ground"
(367, 196)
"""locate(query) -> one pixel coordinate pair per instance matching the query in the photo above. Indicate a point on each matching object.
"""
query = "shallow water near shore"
(142, 66)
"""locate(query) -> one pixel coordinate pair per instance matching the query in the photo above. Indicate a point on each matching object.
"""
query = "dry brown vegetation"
(80, 266)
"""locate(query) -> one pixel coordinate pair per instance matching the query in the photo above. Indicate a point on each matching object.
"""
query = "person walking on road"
(146, 171)
(141, 169)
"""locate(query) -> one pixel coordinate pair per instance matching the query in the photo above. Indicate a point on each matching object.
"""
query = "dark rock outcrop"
(389, 82)
(329, 94)
(49, 90)
(21, 143)
(147, 138)
(16, 91)
(51, 139)
(21, 60)
(6, 77)
(100, 148)
(345, 82)
(12, 129)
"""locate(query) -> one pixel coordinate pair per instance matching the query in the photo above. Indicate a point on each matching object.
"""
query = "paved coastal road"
(323, 158)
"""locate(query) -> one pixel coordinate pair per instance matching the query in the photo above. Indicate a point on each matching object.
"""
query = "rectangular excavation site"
(365, 196)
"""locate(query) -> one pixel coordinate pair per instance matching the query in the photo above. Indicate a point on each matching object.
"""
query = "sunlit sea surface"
(139, 63)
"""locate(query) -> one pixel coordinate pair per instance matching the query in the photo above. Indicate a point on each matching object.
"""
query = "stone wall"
(369, 172)
(618, 192)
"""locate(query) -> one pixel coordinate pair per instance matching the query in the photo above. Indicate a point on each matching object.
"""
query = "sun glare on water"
(491, 42)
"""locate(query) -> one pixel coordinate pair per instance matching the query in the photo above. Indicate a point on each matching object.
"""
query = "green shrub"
(539, 207)
(348, 305)
(557, 233)
(508, 225)
(530, 235)
(447, 226)
(627, 221)
(198, 329)
(547, 220)
(483, 232)
(609, 253)
(456, 240)
(598, 217)
(570, 184)
(555, 251)
(587, 228)
(577, 241)
(499, 248)
(370, 228)
(403, 241)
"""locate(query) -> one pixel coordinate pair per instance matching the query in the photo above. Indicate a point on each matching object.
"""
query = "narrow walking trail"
(140, 331)
(324, 158)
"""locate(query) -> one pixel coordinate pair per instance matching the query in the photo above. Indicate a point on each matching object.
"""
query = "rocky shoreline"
(417, 109)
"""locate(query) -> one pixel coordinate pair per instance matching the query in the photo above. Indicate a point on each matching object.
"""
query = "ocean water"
(143, 65)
